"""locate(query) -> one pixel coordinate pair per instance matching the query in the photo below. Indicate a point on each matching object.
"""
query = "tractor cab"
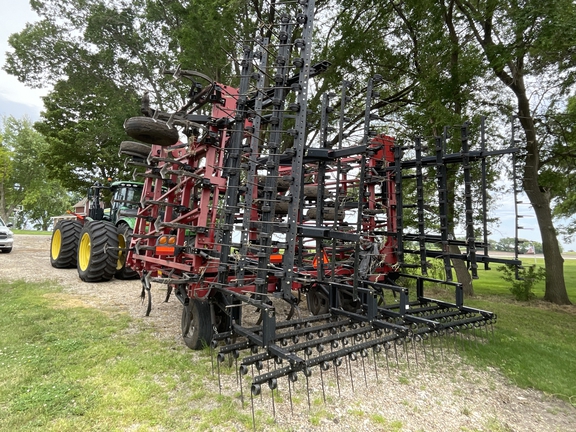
(125, 200)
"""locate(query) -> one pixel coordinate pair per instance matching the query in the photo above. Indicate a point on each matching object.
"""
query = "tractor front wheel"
(97, 252)
(196, 324)
(124, 236)
(64, 244)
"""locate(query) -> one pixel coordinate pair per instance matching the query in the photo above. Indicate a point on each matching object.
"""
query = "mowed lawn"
(68, 367)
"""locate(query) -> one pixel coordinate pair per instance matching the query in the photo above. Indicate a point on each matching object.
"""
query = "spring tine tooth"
(415, 352)
(386, 348)
(423, 343)
(396, 355)
(337, 375)
(212, 357)
(375, 363)
(364, 370)
(307, 389)
(440, 342)
(241, 392)
(322, 381)
(253, 417)
(290, 395)
(273, 404)
(349, 361)
(238, 379)
(405, 343)
(219, 381)
(432, 336)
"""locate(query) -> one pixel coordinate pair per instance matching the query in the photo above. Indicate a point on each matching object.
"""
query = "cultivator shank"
(251, 214)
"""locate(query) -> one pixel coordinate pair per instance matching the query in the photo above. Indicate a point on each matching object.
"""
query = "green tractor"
(96, 243)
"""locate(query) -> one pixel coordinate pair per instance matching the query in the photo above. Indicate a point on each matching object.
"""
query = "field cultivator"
(248, 217)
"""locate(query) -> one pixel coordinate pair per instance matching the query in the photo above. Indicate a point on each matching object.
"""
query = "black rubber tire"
(318, 301)
(196, 324)
(64, 244)
(122, 271)
(97, 251)
(136, 149)
(6, 250)
(151, 131)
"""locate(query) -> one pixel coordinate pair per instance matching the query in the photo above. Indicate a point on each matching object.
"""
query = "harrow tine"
(404, 344)
(219, 359)
(423, 343)
(291, 378)
(415, 352)
(252, 405)
(307, 373)
(273, 384)
(396, 355)
(243, 371)
(322, 381)
(363, 354)
(337, 362)
(386, 348)
(375, 363)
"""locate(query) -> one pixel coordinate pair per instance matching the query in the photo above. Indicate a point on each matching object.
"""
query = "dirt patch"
(446, 395)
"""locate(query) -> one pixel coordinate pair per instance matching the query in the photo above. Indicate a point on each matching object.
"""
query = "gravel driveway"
(439, 396)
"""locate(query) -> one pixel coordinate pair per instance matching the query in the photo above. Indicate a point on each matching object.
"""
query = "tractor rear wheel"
(64, 244)
(124, 236)
(151, 131)
(196, 324)
(97, 252)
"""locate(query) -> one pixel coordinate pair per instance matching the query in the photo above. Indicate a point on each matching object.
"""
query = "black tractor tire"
(97, 251)
(196, 324)
(135, 149)
(122, 270)
(318, 300)
(6, 250)
(64, 244)
(151, 131)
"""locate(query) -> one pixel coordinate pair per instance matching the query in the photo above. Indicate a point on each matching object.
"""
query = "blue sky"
(18, 100)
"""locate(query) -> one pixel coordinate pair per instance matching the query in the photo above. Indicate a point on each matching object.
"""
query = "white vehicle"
(6, 237)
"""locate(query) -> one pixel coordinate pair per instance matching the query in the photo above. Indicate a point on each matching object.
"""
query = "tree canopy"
(443, 62)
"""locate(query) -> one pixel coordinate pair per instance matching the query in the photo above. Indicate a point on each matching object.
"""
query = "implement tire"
(135, 149)
(64, 244)
(124, 236)
(196, 324)
(97, 252)
(151, 131)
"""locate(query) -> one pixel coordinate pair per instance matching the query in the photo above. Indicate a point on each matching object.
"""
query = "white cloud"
(15, 15)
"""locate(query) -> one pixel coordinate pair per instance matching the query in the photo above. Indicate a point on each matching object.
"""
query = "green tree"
(99, 57)
(24, 178)
(529, 46)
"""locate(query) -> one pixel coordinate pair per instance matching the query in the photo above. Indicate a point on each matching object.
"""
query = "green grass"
(31, 232)
(491, 283)
(534, 342)
(67, 367)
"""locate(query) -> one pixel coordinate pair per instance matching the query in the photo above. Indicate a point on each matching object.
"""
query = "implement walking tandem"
(249, 215)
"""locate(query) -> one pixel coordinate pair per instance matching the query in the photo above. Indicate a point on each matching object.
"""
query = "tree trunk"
(553, 262)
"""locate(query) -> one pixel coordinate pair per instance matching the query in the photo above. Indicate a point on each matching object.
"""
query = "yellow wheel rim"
(121, 253)
(84, 249)
(56, 244)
